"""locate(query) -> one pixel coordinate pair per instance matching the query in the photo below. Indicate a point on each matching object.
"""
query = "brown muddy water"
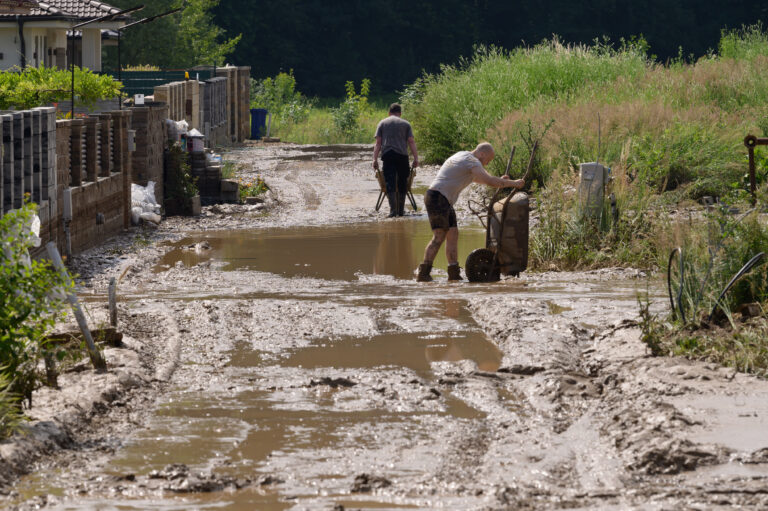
(315, 407)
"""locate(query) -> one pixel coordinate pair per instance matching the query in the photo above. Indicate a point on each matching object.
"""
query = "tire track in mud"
(322, 392)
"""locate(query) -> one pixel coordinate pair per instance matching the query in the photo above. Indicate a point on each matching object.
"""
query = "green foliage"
(179, 41)
(35, 87)
(10, 409)
(179, 183)
(280, 97)
(347, 117)
(746, 43)
(252, 188)
(455, 109)
(31, 294)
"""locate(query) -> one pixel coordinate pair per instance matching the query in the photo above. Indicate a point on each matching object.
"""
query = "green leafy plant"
(35, 87)
(31, 297)
(252, 188)
(179, 183)
(280, 97)
(348, 115)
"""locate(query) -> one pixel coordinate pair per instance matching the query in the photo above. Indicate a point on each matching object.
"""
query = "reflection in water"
(337, 253)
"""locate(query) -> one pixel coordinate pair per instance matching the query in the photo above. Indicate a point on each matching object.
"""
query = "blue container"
(258, 123)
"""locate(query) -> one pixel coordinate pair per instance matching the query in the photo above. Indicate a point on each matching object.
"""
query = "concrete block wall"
(147, 160)
(218, 107)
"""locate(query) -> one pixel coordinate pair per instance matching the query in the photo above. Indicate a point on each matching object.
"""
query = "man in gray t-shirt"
(393, 137)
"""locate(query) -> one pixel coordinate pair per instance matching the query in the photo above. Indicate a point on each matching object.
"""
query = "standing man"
(457, 173)
(393, 137)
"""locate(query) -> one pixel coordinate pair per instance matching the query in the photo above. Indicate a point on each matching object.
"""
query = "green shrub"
(179, 182)
(35, 87)
(280, 97)
(348, 115)
(31, 294)
(454, 109)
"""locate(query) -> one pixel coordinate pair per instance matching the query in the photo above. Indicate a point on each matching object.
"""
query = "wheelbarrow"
(506, 234)
(383, 189)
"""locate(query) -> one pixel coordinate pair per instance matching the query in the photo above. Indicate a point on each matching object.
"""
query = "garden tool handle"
(509, 163)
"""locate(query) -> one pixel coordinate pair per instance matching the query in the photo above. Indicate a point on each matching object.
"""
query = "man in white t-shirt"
(457, 173)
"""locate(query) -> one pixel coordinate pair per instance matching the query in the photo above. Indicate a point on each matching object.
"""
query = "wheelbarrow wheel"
(481, 266)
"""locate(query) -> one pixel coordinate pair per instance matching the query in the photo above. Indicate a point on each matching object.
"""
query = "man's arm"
(414, 152)
(479, 175)
(376, 151)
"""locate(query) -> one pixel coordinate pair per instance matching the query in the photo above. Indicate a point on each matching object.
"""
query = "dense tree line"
(391, 42)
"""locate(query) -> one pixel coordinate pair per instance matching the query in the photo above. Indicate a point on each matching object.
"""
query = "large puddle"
(339, 253)
(321, 412)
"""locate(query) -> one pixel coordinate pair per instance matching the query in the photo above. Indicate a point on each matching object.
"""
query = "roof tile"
(70, 8)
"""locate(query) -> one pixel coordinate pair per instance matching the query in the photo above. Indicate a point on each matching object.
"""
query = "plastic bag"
(143, 201)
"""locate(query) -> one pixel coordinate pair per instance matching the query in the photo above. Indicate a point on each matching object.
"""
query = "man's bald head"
(484, 152)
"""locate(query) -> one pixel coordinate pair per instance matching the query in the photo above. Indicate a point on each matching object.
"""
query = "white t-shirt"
(455, 175)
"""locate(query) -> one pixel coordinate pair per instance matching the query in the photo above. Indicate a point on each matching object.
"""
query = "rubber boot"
(400, 204)
(392, 199)
(454, 272)
(424, 273)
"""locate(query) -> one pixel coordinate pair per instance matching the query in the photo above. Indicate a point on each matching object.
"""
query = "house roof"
(78, 9)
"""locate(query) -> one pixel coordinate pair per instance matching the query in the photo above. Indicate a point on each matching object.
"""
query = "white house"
(34, 33)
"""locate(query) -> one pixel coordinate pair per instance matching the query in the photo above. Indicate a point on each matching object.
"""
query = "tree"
(179, 41)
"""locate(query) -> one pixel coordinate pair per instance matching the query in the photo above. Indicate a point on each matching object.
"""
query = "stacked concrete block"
(29, 183)
(48, 152)
(77, 154)
(147, 160)
(36, 157)
(17, 138)
(106, 155)
(122, 161)
(244, 103)
(92, 148)
(6, 122)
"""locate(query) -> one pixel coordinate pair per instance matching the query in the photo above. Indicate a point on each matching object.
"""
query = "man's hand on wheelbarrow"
(415, 163)
(375, 164)
(514, 183)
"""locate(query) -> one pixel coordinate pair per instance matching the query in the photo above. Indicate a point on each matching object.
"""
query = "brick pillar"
(76, 153)
(92, 148)
(121, 123)
(48, 151)
(106, 141)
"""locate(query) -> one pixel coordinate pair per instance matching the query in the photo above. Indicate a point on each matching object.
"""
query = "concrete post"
(76, 156)
(92, 148)
(106, 152)
(17, 136)
(37, 157)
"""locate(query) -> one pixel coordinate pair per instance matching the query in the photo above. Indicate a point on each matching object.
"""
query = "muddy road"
(301, 367)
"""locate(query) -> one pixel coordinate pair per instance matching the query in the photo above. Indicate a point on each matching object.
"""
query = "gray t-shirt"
(455, 175)
(394, 133)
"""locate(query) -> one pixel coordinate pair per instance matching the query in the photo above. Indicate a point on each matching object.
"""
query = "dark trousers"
(396, 170)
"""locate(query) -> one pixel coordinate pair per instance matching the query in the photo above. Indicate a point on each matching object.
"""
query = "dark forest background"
(391, 42)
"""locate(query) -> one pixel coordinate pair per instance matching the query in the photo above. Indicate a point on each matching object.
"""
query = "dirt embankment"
(294, 366)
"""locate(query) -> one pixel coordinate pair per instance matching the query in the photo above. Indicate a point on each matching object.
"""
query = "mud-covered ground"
(280, 356)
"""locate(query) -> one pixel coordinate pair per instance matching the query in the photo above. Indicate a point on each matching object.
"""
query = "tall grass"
(680, 126)
(319, 128)
(455, 108)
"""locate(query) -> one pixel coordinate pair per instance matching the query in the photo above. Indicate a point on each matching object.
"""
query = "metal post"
(96, 359)
(72, 65)
(119, 72)
(113, 302)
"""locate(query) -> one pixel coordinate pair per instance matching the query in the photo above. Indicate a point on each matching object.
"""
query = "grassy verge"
(319, 128)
